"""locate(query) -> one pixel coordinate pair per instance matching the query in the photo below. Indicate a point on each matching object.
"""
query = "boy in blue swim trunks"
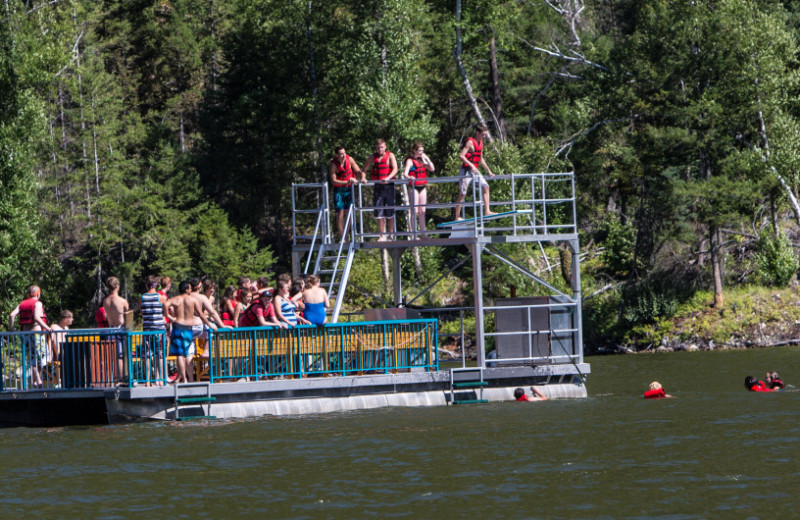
(182, 309)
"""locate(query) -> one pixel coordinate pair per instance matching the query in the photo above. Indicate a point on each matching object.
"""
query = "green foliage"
(776, 259)
(619, 243)
(163, 137)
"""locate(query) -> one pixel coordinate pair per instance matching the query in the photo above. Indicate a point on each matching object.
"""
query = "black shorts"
(383, 200)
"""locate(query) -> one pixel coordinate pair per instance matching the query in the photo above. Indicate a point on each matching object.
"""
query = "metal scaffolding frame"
(540, 208)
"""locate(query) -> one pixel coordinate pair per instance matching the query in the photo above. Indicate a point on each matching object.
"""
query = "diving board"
(461, 228)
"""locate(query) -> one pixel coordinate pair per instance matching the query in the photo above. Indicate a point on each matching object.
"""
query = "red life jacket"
(418, 171)
(249, 318)
(343, 172)
(380, 166)
(26, 309)
(658, 393)
(100, 318)
(474, 157)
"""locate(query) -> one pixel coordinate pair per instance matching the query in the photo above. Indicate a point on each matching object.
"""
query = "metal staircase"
(332, 264)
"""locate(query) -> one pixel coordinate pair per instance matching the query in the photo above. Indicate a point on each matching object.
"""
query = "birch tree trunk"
(784, 185)
(716, 265)
(464, 77)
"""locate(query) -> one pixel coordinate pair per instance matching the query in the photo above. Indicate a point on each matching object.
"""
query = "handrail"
(89, 358)
(545, 203)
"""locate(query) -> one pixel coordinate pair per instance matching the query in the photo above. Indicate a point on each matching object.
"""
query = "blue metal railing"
(101, 358)
(336, 349)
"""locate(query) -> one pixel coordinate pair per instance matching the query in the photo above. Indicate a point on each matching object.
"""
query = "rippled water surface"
(715, 451)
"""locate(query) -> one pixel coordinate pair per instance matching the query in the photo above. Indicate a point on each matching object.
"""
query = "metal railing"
(553, 345)
(536, 204)
(84, 358)
(102, 358)
(336, 349)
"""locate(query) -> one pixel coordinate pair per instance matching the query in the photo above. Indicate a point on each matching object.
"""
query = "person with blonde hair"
(656, 391)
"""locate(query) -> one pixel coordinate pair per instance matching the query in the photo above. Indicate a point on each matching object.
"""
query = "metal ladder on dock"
(193, 399)
(470, 384)
(329, 266)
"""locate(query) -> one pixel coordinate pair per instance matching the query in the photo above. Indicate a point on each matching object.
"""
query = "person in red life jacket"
(754, 385)
(227, 306)
(382, 166)
(32, 318)
(472, 157)
(344, 173)
(656, 391)
(261, 313)
(166, 285)
(417, 167)
(536, 395)
(774, 381)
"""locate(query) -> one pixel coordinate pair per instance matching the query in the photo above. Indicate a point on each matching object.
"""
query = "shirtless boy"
(208, 310)
(183, 309)
(116, 307)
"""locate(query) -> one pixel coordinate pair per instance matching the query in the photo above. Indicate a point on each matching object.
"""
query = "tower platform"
(541, 328)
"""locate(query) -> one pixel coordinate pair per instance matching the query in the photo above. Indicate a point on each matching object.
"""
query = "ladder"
(467, 387)
(333, 264)
(183, 400)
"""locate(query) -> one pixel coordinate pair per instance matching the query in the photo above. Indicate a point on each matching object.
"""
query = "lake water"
(715, 451)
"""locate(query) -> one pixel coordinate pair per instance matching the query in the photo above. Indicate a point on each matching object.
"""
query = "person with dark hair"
(285, 308)
(243, 283)
(417, 166)
(58, 338)
(262, 284)
(261, 313)
(228, 306)
(382, 166)
(154, 320)
(536, 395)
(774, 381)
(184, 309)
(754, 385)
(246, 296)
(344, 173)
(198, 330)
(472, 160)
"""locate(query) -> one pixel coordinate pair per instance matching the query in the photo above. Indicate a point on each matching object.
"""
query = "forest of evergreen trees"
(162, 136)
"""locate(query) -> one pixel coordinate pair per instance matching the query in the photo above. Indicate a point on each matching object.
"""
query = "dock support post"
(397, 279)
(477, 284)
(577, 319)
(296, 263)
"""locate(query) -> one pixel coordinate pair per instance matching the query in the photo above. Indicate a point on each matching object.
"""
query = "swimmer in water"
(754, 385)
(656, 391)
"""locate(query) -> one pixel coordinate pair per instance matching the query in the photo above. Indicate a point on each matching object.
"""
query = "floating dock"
(390, 359)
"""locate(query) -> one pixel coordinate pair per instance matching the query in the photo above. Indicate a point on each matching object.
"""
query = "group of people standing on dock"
(383, 169)
(183, 318)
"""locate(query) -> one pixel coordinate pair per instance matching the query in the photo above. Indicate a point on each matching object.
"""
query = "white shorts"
(466, 176)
